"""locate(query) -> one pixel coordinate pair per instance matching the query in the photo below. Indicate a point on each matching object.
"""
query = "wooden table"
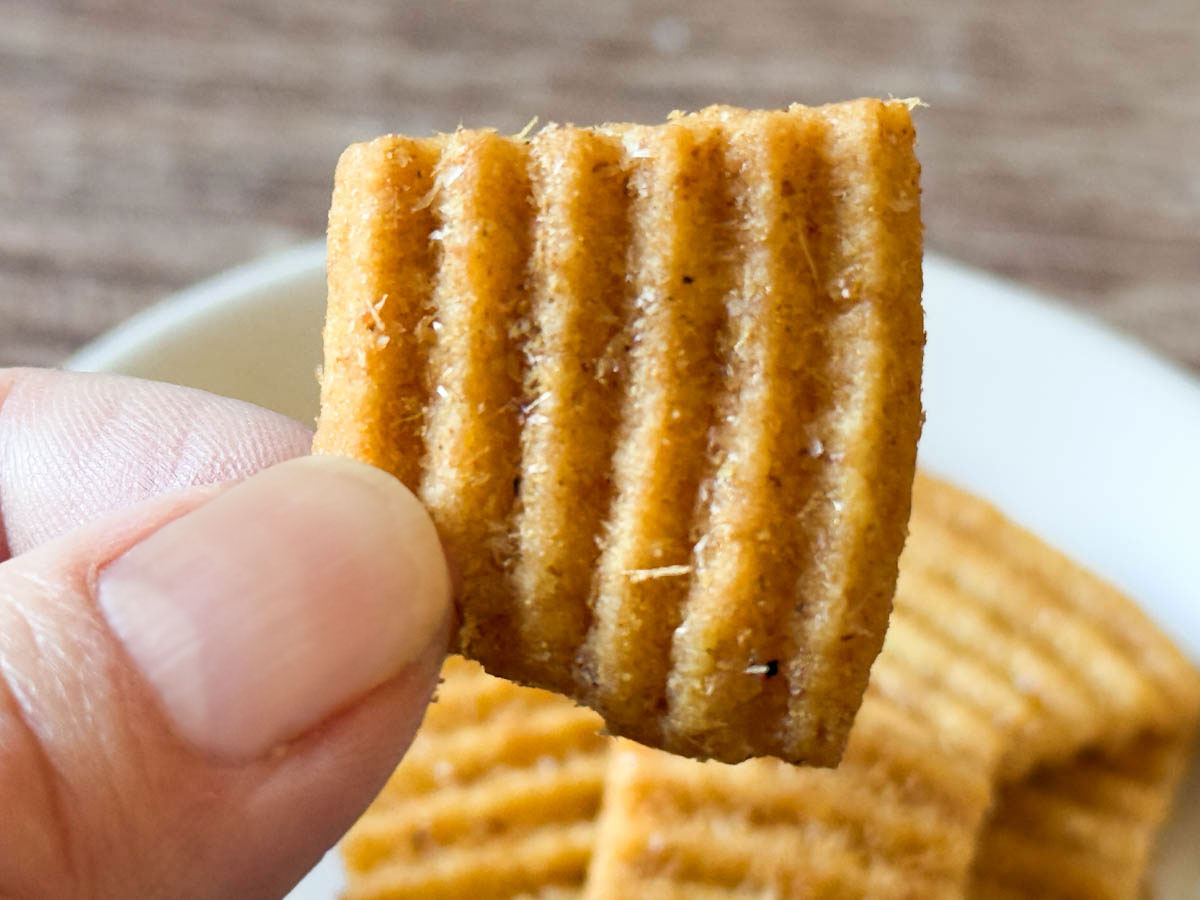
(145, 145)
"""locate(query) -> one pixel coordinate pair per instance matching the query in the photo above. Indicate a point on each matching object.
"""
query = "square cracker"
(1088, 666)
(659, 387)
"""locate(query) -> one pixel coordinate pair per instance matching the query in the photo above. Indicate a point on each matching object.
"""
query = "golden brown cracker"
(659, 388)
(1083, 830)
(897, 819)
(1093, 669)
(1096, 703)
(496, 798)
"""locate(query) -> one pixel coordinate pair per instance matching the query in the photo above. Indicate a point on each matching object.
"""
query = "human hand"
(200, 691)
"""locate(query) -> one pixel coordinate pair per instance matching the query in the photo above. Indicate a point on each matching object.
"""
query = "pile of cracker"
(659, 387)
(1021, 736)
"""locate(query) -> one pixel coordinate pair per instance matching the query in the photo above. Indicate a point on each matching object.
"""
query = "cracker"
(897, 819)
(1084, 829)
(496, 798)
(659, 388)
(1090, 666)
(1097, 706)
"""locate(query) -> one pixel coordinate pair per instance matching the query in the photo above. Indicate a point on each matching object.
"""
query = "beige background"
(146, 144)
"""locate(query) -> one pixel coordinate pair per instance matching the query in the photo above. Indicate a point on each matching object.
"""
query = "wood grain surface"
(145, 145)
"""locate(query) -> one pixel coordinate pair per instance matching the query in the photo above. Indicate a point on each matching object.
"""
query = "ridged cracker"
(1084, 829)
(659, 388)
(496, 799)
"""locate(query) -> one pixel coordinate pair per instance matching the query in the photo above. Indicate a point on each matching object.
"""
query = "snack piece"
(1082, 830)
(897, 819)
(496, 798)
(1092, 669)
(1096, 704)
(659, 388)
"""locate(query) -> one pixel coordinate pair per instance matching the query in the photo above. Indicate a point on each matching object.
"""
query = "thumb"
(199, 695)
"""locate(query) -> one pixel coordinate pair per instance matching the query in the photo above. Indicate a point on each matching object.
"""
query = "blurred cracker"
(971, 690)
(897, 819)
(1082, 830)
(1096, 704)
(1090, 667)
(496, 798)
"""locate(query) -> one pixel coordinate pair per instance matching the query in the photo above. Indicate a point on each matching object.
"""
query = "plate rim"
(225, 290)
(228, 288)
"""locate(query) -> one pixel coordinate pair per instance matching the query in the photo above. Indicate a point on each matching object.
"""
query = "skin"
(105, 794)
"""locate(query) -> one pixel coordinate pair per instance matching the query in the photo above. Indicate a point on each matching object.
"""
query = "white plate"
(1073, 430)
